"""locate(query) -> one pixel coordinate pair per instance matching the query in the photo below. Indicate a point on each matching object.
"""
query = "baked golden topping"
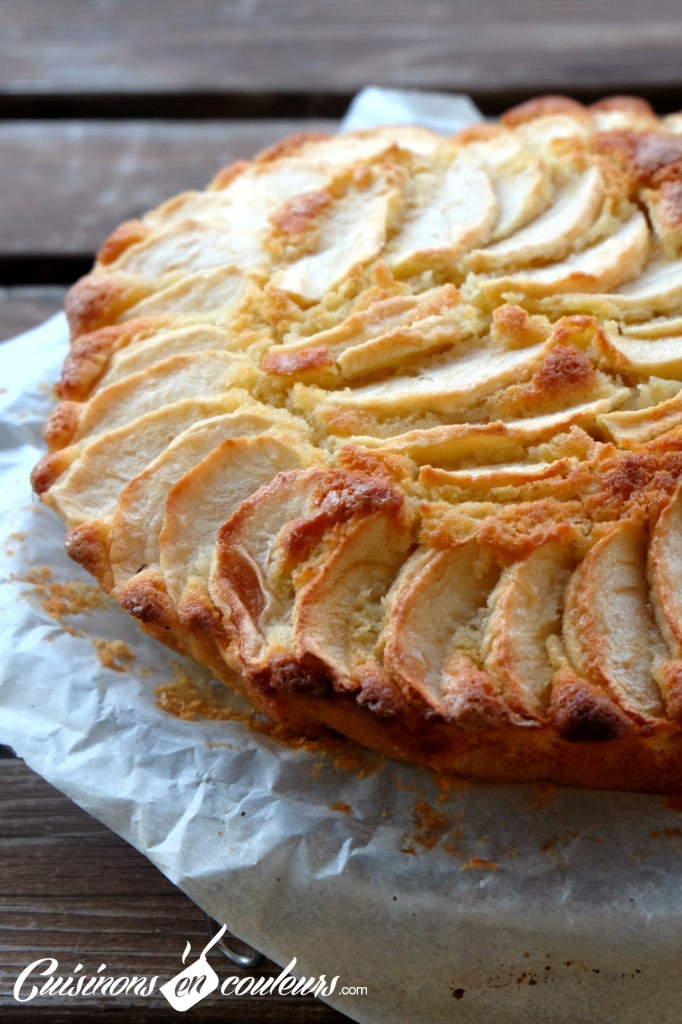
(386, 429)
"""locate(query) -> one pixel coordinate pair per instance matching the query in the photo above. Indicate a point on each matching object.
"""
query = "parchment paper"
(482, 904)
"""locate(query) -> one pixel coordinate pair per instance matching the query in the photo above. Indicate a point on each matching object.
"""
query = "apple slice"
(207, 495)
(458, 213)
(444, 382)
(436, 616)
(610, 632)
(204, 374)
(606, 265)
(527, 608)
(665, 571)
(338, 614)
(101, 468)
(141, 507)
(551, 234)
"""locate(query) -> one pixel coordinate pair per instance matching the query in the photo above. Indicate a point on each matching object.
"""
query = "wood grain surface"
(23, 308)
(68, 184)
(252, 52)
(71, 889)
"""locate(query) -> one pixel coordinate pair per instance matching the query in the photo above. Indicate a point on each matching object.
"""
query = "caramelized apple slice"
(138, 355)
(633, 427)
(659, 327)
(280, 538)
(552, 233)
(101, 469)
(487, 441)
(352, 232)
(659, 357)
(190, 245)
(216, 295)
(444, 382)
(527, 608)
(458, 212)
(338, 613)
(209, 493)
(380, 336)
(141, 507)
(184, 376)
(609, 627)
(665, 572)
(618, 258)
(436, 616)
(504, 474)
(518, 177)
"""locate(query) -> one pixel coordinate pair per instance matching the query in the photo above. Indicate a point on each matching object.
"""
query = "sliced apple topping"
(103, 467)
(443, 382)
(633, 427)
(278, 541)
(660, 357)
(141, 506)
(379, 337)
(551, 234)
(489, 441)
(351, 234)
(609, 263)
(659, 327)
(518, 177)
(217, 295)
(610, 632)
(139, 355)
(184, 376)
(435, 623)
(526, 610)
(338, 613)
(208, 493)
(665, 572)
(505, 474)
(458, 213)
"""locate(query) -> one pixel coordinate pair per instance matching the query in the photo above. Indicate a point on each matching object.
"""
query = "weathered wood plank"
(65, 185)
(23, 308)
(249, 48)
(71, 889)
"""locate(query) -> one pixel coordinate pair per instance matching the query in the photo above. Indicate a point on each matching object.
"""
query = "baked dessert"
(386, 430)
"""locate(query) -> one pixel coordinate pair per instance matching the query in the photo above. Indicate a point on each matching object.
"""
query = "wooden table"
(106, 108)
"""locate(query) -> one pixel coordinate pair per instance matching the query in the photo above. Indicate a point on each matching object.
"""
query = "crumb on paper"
(341, 807)
(666, 833)
(479, 864)
(428, 827)
(113, 654)
(673, 803)
(544, 794)
(63, 599)
(449, 784)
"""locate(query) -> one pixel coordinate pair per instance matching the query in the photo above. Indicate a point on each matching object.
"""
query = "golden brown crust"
(61, 425)
(122, 238)
(289, 146)
(97, 300)
(88, 544)
(47, 471)
(542, 106)
(89, 355)
(228, 174)
(628, 104)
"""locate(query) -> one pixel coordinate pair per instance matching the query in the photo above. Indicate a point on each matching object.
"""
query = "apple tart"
(386, 430)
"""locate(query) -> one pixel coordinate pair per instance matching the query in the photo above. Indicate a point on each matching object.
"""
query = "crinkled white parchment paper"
(531, 905)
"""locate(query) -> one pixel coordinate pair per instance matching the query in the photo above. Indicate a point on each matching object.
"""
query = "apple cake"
(385, 429)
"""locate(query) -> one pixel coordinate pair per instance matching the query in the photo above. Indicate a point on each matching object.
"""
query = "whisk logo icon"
(196, 981)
